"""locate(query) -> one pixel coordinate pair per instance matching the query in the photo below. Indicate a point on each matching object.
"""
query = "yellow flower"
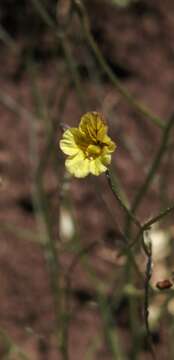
(88, 147)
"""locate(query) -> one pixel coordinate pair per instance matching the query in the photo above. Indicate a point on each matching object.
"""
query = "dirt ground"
(137, 42)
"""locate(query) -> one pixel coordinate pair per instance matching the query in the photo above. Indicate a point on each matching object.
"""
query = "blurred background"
(70, 289)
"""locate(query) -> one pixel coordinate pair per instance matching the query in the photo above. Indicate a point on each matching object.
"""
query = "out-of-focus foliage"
(123, 3)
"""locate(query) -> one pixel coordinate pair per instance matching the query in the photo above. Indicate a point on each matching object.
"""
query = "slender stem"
(10, 348)
(115, 192)
(150, 222)
(111, 336)
(148, 274)
(158, 217)
(122, 205)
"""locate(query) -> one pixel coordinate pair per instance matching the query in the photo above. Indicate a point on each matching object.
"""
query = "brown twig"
(148, 274)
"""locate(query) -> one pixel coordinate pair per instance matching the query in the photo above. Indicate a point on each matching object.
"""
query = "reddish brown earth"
(138, 44)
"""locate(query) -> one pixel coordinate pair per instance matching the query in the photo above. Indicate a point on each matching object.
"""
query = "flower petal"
(105, 159)
(97, 167)
(68, 143)
(93, 125)
(78, 165)
(111, 146)
(88, 147)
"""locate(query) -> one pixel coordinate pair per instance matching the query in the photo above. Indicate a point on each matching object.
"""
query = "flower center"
(93, 151)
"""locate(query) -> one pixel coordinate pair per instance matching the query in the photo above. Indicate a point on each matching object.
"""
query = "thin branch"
(158, 217)
(131, 216)
(11, 348)
(122, 205)
(150, 222)
(148, 274)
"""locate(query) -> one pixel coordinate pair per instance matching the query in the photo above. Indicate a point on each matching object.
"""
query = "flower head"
(88, 147)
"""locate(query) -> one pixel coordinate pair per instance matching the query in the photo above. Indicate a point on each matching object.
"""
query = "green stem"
(115, 192)
(110, 333)
(158, 217)
(150, 222)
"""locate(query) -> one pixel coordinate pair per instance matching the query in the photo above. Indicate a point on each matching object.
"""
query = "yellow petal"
(93, 150)
(96, 167)
(111, 146)
(105, 159)
(78, 165)
(93, 125)
(68, 142)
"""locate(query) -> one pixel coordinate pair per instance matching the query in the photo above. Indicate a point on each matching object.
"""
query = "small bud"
(164, 284)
